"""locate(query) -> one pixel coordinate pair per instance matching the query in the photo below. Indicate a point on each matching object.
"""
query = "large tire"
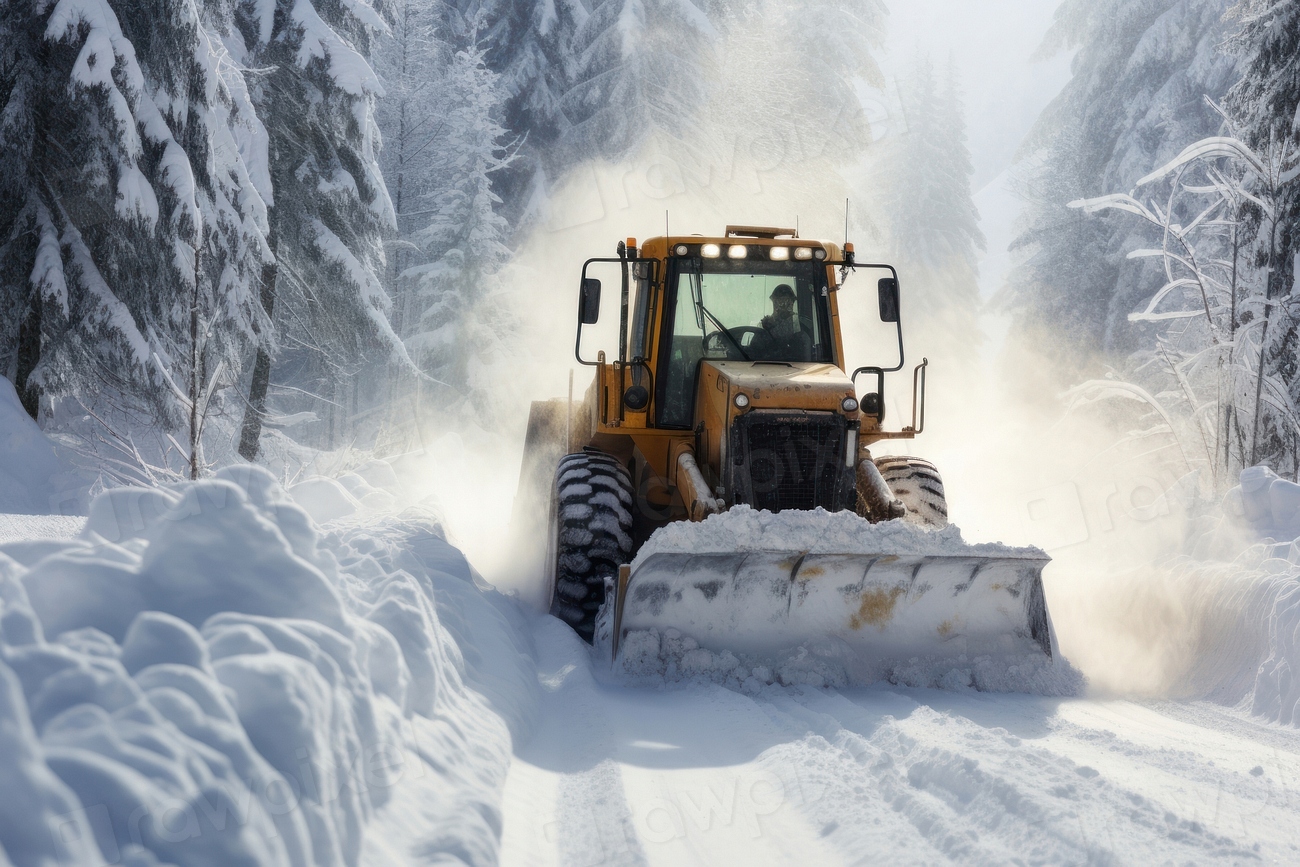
(918, 484)
(591, 535)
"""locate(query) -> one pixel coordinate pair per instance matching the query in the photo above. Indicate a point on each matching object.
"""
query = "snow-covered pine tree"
(1136, 97)
(464, 241)
(790, 72)
(924, 206)
(1266, 103)
(120, 143)
(410, 62)
(642, 72)
(330, 208)
(532, 46)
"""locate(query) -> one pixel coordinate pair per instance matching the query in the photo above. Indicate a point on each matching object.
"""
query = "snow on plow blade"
(884, 608)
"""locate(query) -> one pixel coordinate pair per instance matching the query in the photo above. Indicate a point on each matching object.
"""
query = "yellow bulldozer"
(730, 387)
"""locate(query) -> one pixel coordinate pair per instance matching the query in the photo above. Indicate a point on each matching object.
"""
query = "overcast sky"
(991, 42)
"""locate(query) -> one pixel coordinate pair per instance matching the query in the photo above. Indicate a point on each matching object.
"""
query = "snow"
(350, 71)
(226, 672)
(324, 499)
(34, 477)
(743, 528)
(33, 528)
(702, 774)
(47, 269)
(206, 675)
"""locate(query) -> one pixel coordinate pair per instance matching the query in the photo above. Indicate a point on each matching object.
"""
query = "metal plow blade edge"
(883, 608)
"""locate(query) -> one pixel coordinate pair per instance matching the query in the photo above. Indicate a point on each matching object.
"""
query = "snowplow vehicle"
(730, 387)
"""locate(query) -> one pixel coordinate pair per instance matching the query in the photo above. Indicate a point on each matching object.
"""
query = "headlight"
(849, 404)
(737, 251)
(803, 254)
(682, 249)
(780, 254)
(819, 254)
(710, 251)
(742, 400)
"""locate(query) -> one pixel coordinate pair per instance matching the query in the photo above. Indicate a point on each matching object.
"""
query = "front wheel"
(590, 535)
(917, 483)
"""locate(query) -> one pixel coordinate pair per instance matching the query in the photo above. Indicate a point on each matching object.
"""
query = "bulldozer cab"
(758, 297)
(750, 311)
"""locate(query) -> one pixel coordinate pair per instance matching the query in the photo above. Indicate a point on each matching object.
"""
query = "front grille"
(790, 460)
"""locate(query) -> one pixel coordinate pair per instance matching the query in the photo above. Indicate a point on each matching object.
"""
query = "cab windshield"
(740, 311)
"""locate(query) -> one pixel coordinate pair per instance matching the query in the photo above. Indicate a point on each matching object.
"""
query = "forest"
(264, 229)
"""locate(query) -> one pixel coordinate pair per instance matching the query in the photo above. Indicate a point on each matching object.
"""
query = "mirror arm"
(899, 323)
(577, 342)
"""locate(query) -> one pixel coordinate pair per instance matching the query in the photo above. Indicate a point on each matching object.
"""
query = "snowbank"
(1220, 622)
(206, 676)
(34, 480)
(1269, 507)
(650, 656)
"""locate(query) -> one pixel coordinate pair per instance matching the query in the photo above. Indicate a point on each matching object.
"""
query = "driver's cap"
(782, 290)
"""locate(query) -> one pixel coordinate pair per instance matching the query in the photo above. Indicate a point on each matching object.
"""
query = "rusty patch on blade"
(792, 561)
(876, 607)
(947, 628)
(811, 572)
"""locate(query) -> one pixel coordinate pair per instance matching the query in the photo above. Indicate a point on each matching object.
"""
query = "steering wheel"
(759, 341)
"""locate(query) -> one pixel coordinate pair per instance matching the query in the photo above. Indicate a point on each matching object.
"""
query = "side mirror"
(888, 288)
(589, 301)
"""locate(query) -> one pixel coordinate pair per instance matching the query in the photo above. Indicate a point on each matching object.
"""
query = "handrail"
(918, 379)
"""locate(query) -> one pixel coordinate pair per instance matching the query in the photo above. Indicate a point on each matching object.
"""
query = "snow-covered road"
(700, 774)
(211, 644)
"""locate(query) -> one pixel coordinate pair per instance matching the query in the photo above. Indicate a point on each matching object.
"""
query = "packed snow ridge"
(743, 528)
(206, 676)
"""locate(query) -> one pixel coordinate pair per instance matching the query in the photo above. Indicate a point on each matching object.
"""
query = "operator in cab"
(791, 334)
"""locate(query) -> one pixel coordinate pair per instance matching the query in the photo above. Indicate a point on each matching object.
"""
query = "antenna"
(667, 234)
(796, 225)
(846, 222)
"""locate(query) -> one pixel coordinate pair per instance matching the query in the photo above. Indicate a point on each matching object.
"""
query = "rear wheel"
(591, 535)
(917, 483)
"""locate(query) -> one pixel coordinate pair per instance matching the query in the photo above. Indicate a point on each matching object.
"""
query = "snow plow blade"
(884, 608)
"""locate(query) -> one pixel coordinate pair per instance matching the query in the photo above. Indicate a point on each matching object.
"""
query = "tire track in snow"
(613, 777)
(981, 794)
(698, 774)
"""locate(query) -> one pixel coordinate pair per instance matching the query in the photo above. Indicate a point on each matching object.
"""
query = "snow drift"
(1270, 507)
(1214, 620)
(205, 676)
(34, 477)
